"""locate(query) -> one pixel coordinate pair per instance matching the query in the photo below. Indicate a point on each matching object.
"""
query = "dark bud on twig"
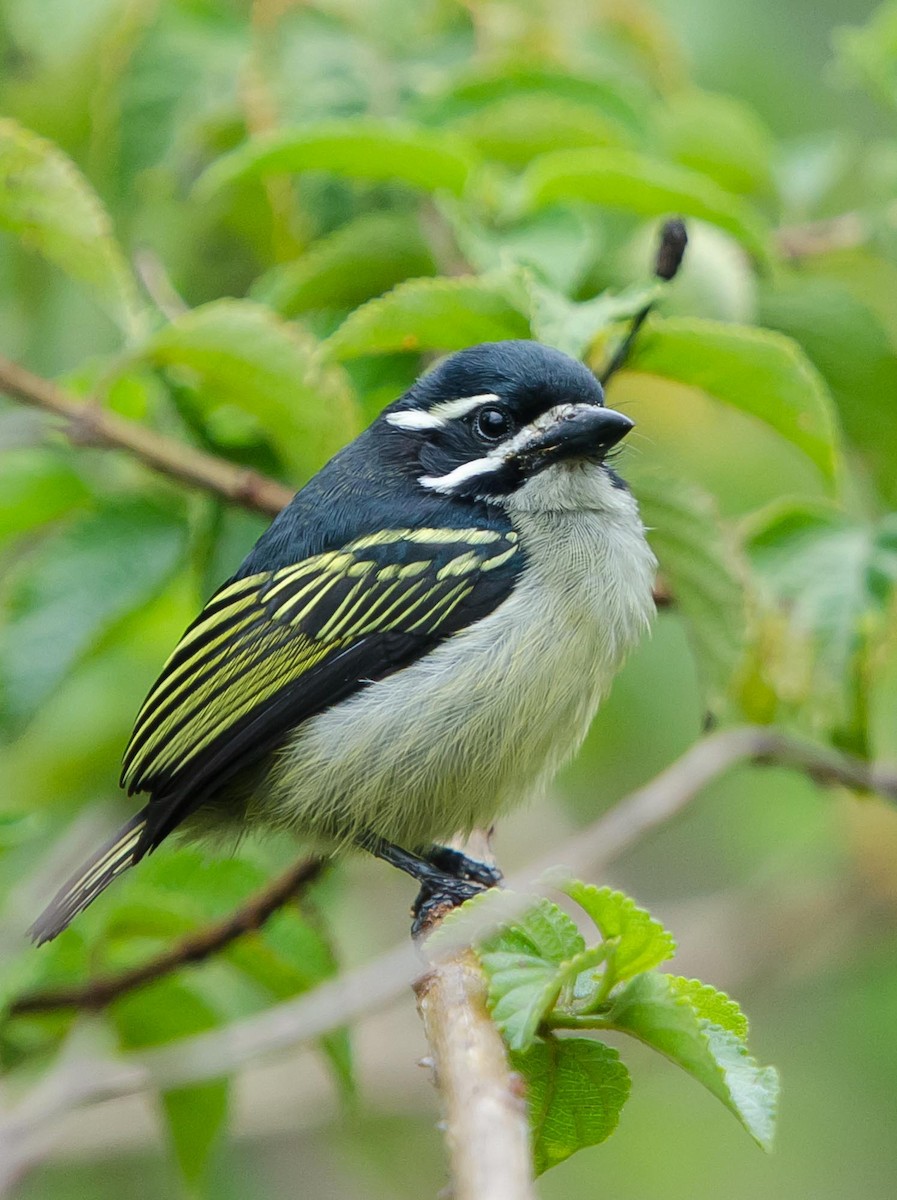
(673, 240)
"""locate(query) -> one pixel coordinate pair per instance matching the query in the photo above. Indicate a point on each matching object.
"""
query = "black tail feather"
(114, 857)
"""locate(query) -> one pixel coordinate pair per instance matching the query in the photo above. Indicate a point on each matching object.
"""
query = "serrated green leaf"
(169, 1009)
(622, 179)
(357, 149)
(642, 942)
(49, 206)
(434, 314)
(711, 1005)
(700, 562)
(241, 354)
(361, 259)
(575, 1090)
(74, 587)
(652, 1009)
(527, 964)
(762, 374)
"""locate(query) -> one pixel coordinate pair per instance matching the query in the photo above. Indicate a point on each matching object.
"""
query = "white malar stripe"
(449, 410)
(468, 470)
(413, 420)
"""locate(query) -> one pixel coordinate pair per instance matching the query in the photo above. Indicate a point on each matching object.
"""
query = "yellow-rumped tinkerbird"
(417, 642)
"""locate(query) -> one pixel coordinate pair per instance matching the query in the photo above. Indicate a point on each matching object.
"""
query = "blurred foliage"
(249, 226)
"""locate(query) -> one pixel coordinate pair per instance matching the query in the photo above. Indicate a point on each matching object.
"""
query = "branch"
(843, 232)
(90, 424)
(97, 993)
(365, 989)
(486, 1123)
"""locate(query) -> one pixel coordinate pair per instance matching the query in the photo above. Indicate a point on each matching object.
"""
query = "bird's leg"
(439, 890)
(459, 865)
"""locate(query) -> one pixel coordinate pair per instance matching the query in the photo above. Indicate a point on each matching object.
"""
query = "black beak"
(581, 430)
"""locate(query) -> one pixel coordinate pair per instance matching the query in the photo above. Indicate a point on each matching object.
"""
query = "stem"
(487, 1128)
(89, 424)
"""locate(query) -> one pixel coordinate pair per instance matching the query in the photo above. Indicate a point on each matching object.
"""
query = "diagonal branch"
(89, 424)
(202, 944)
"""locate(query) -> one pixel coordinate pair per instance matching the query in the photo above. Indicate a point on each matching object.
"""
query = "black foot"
(459, 866)
(436, 898)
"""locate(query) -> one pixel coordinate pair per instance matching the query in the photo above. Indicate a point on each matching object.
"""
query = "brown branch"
(486, 1125)
(842, 232)
(202, 944)
(88, 423)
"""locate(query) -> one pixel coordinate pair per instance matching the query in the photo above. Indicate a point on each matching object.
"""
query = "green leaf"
(74, 587)
(642, 942)
(575, 1089)
(623, 179)
(711, 1005)
(195, 1115)
(848, 343)
(357, 149)
(721, 137)
(763, 374)
(361, 259)
(653, 1009)
(516, 128)
(50, 207)
(434, 314)
(37, 486)
(527, 964)
(240, 353)
(573, 327)
(700, 563)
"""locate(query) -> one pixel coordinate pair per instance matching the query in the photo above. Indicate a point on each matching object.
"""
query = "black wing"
(274, 648)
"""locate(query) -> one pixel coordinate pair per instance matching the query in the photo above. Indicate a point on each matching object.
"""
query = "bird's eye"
(492, 423)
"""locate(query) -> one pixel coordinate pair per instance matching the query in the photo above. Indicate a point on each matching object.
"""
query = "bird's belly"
(476, 726)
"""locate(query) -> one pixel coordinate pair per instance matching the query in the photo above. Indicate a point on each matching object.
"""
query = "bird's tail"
(115, 856)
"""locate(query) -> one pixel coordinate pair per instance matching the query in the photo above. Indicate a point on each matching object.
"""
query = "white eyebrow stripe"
(468, 470)
(413, 420)
(449, 409)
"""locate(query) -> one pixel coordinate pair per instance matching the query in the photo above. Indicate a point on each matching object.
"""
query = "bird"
(417, 642)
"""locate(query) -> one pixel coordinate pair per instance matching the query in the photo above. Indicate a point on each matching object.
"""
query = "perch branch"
(97, 993)
(486, 1124)
(89, 424)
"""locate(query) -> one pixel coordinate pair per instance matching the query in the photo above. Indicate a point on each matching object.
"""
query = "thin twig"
(202, 944)
(90, 424)
(842, 232)
(486, 1124)
(364, 990)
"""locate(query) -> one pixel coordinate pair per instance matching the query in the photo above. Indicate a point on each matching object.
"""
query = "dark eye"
(492, 423)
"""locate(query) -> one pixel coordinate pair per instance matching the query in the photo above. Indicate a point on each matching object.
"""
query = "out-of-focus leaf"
(357, 149)
(434, 314)
(654, 1010)
(868, 53)
(575, 1090)
(196, 1115)
(720, 137)
(557, 244)
(848, 344)
(829, 576)
(622, 179)
(74, 587)
(240, 353)
(700, 563)
(361, 259)
(640, 942)
(616, 98)
(516, 128)
(36, 486)
(763, 374)
(47, 203)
